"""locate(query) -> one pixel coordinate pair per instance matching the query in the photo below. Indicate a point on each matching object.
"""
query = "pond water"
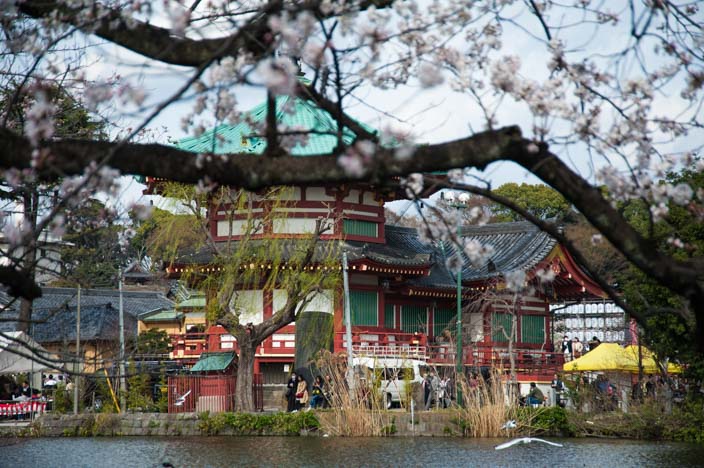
(318, 451)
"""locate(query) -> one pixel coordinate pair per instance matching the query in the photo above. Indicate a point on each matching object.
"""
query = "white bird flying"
(524, 440)
(182, 399)
(511, 424)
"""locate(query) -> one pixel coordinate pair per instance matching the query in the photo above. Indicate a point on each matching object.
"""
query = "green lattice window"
(389, 319)
(533, 329)
(414, 318)
(355, 227)
(364, 308)
(442, 320)
(500, 327)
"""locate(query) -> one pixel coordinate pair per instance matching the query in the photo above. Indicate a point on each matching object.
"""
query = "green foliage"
(153, 341)
(139, 395)
(538, 199)
(687, 422)
(102, 392)
(92, 254)
(552, 420)
(164, 235)
(647, 421)
(71, 119)
(162, 402)
(257, 424)
(669, 328)
(62, 400)
(390, 429)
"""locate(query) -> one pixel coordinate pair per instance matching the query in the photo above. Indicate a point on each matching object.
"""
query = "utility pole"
(458, 201)
(123, 383)
(348, 325)
(77, 366)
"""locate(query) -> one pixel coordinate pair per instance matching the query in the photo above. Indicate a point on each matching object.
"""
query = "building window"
(355, 227)
(533, 329)
(364, 308)
(414, 319)
(500, 327)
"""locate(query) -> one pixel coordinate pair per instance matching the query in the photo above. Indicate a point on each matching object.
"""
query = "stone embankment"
(194, 424)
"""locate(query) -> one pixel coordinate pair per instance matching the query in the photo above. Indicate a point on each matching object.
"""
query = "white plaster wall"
(239, 227)
(321, 302)
(352, 197)
(250, 305)
(294, 225)
(369, 199)
(318, 194)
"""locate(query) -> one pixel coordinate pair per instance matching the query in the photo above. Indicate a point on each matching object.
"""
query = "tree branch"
(161, 44)
(252, 172)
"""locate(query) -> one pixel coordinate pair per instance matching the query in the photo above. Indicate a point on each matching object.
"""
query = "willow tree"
(612, 97)
(289, 273)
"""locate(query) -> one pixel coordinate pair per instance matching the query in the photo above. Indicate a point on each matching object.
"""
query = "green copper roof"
(213, 362)
(197, 301)
(161, 316)
(292, 114)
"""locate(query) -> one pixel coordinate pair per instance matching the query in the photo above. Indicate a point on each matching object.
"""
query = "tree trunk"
(244, 400)
(30, 200)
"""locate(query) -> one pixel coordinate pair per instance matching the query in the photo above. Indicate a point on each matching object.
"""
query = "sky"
(434, 115)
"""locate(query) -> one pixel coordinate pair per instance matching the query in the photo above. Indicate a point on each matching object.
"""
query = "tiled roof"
(402, 247)
(213, 362)
(292, 113)
(516, 246)
(134, 302)
(98, 322)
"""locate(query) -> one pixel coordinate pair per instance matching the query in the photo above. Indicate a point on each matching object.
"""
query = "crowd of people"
(299, 398)
(574, 348)
(436, 390)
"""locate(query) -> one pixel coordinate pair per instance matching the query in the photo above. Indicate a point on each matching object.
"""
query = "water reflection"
(352, 452)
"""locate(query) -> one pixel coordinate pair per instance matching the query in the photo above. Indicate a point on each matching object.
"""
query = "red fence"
(214, 393)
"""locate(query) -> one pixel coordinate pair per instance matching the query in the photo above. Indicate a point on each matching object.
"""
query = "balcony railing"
(375, 341)
(192, 345)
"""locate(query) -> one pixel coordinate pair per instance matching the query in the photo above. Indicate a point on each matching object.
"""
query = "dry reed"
(358, 412)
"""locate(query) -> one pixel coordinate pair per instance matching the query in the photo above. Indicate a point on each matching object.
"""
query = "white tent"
(19, 353)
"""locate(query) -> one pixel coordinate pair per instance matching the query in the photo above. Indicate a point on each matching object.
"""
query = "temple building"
(402, 296)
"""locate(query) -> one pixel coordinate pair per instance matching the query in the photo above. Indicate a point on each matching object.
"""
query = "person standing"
(444, 392)
(427, 390)
(594, 343)
(301, 393)
(567, 348)
(433, 387)
(577, 348)
(558, 387)
(291, 392)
